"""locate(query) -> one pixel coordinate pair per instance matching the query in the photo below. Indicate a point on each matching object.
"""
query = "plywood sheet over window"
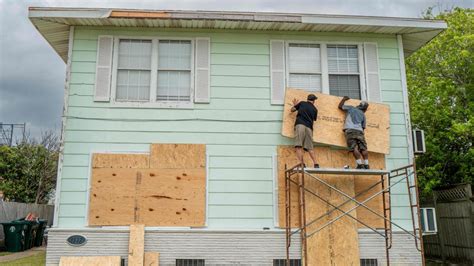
(172, 192)
(337, 244)
(328, 127)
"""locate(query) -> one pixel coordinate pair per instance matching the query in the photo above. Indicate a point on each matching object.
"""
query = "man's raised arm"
(343, 100)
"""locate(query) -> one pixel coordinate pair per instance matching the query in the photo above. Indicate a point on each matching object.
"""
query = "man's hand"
(343, 100)
(295, 101)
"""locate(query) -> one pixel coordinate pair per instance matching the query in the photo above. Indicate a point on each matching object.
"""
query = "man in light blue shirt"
(354, 127)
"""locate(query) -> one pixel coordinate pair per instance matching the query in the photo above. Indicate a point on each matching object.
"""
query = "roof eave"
(417, 32)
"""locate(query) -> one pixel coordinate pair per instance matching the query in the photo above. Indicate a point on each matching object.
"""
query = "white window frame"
(324, 63)
(426, 231)
(152, 103)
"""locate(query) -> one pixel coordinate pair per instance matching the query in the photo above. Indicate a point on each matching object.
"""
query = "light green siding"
(239, 126)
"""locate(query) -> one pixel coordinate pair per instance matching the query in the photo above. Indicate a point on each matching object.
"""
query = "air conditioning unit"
(419, 141)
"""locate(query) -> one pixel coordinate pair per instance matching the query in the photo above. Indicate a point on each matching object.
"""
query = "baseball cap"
(312, 97)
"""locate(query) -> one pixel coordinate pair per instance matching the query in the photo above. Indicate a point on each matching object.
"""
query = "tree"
(441, 91)
(28, 170)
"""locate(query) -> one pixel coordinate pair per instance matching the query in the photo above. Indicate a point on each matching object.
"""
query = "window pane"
(133, 85)
(134, 54)
(174, 54)
(304, 58)
(305, 81)
(422, 217)
(343, 59)
(344, 85)
(431, 218)
(174, 86)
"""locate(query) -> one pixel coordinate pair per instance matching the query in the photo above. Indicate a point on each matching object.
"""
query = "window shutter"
(202, 71)
(103, 69)
(277, 66)
(372, 76)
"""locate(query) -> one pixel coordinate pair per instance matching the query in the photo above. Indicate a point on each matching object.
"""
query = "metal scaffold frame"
(388, 179)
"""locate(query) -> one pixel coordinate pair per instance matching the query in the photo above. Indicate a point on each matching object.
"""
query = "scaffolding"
(388, 179)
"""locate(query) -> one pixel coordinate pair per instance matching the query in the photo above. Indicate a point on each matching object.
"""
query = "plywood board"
(337, 244)
(173, 197)
(90, 261)
(178, 156)
(118, 160)
(112, 196)
(136, 245)
(325, 157)
(328, 127)
(152, 259)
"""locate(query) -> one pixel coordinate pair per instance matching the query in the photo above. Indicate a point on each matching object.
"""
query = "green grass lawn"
(36, 260)
(3, 253)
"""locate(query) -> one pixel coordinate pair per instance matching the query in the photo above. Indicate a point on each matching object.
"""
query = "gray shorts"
(355, 139)
(303, 137)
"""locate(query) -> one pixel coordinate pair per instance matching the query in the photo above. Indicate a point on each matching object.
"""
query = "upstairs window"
(174, 70)
(343, 69)
(304, 65)
(333, 69)
(134, 70)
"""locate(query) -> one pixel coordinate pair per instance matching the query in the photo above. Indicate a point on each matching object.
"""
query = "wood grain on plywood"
(326, 158)
(112, 196)
(136, 245)
(119, 160)
(90, 261)
(178, 156)
(173, 197)
(328, 127)
(152, 259)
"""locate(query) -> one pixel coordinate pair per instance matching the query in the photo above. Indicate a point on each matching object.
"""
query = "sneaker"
(316, 165)
(347, 167)
(366, 166)
(360, 166)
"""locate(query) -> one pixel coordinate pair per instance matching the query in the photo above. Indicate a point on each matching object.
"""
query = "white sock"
(366, 162)
(359, 161)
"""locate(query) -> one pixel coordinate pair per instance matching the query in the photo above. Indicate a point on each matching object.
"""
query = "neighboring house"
(217, 78)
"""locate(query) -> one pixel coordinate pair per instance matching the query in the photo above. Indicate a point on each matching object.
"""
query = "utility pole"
(7, 133)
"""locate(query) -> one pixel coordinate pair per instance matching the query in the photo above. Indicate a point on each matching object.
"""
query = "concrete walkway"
(23, 254)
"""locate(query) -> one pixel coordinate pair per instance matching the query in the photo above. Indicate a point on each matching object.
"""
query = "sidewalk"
(23, 254)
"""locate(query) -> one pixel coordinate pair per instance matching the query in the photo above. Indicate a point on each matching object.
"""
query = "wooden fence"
(15, 210)
(455, 219)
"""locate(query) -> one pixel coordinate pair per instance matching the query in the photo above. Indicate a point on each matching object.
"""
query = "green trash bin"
(31, 230)
(40, 234)
(14, 236)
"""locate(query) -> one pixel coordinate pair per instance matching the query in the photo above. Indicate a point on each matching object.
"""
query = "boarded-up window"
(343, 69)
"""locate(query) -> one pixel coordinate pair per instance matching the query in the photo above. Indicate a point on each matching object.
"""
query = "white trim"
(367, 90)
(206, 224)
(65, 12)
(283, 70)
(406, 104)
(195, 68)
(151, 103)
(363, 82)
(275, 191)
(108, 66)
(57, 193)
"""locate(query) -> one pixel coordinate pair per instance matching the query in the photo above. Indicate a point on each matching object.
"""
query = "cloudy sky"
(32, 74)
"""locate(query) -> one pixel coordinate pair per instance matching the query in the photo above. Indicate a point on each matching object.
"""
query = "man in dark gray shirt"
(354, 127)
